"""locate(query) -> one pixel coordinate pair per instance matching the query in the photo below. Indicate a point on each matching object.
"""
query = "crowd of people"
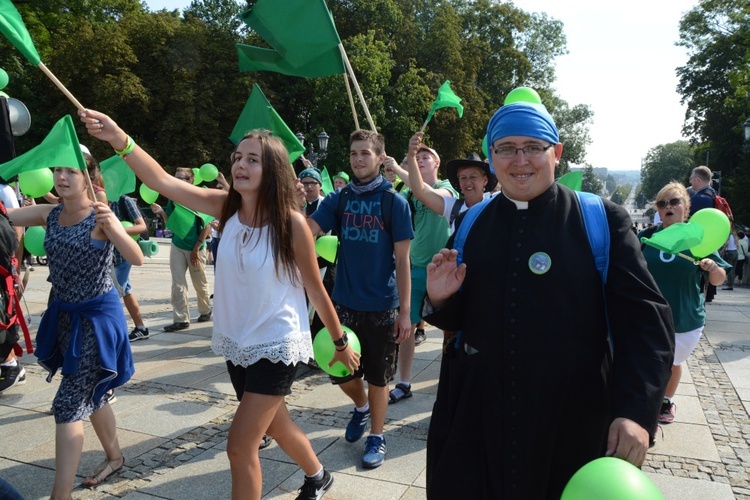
(487, 255)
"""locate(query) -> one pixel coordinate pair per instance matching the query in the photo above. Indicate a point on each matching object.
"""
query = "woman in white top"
(260, 325)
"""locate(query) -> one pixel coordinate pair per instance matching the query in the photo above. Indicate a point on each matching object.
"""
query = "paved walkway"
(174, 416)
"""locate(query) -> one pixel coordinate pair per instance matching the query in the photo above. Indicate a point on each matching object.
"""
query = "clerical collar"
(520, 205)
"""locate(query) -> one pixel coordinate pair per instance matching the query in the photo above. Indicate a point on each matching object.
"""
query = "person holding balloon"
(555, 366)
(267, 262)
(83, 332)
(679, 281)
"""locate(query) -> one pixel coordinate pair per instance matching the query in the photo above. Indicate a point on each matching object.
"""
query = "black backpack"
(11, 314)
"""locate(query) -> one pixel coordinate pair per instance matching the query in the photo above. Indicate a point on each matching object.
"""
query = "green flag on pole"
(676, 238)
(303, 36)
(446, 99)
(118, 178)
(259, 114)
(11, 25)
(59, 149)
(181, 220)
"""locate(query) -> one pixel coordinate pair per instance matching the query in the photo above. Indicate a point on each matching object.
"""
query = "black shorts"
(374, 330)
(262, 377)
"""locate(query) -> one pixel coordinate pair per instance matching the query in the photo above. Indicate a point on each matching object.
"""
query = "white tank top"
(257, 314)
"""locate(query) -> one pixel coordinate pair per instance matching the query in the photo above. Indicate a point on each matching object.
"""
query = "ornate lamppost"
(315, 156)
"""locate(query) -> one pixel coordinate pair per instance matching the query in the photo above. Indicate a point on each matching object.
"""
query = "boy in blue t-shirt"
(372, 281)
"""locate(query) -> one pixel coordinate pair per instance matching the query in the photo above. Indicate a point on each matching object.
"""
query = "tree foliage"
(590, 183)
(715, 85)
(666, 163)
(172, 81)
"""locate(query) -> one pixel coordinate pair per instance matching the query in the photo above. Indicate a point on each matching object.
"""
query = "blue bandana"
(521, 118)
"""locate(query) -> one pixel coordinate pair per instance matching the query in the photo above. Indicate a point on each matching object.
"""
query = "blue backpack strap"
(463, 230)
(597, 230)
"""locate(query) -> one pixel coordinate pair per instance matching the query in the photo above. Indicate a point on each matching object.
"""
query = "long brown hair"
(274, 203)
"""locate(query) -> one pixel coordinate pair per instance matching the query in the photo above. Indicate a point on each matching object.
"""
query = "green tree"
(590, 183)
(665, 163)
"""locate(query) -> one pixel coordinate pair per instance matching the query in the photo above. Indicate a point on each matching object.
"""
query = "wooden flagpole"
(351, 101)
(356, 87)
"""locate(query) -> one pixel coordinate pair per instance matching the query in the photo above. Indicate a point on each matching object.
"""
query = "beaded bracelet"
(129, 146)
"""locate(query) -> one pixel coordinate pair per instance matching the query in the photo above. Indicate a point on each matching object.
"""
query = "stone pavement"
(173, 417)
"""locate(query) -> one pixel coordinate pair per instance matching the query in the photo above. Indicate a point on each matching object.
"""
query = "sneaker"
(356, 426)
(419, 337)
(11, 376)
(138, 334)
(374, 452)
(110, 397)
(313, 490)
(176, 326)
(204, 317)
(667, 412)
(265, 442)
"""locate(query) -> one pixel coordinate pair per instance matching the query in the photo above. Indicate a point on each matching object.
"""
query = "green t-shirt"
(431, 230)
(188, 242)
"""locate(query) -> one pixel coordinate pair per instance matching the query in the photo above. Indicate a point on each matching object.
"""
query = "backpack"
(455, 211)
(11, 313)
(594, 220)
(722, 204)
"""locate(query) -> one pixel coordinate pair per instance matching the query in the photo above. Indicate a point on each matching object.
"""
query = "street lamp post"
(746, 127)
(316, 156)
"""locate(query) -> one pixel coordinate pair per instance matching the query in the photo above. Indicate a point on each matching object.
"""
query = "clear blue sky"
(622, 60)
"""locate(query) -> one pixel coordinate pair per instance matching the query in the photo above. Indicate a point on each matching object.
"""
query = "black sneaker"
(110, 397)
(313, 490)
(176, 326)
(138, 334)
(204, 317)
(419, 337)
(11, 376)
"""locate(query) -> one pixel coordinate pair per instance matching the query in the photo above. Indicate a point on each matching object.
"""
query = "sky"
(621, 62)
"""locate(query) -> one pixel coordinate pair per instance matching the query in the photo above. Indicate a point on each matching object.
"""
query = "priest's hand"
(627, 440)
(444, 277)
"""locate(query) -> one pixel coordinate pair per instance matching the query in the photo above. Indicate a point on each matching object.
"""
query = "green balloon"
(33, 240)
(3, 79)
(327, 246)
(610, 478)
(323, 349)
(716, 229)
(147, 194)
(36, 183)
(209, 172)
(485, 147)
(197, 179)
(523, 94)
(126, 224)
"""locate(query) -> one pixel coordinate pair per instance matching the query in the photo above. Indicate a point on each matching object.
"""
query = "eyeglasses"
(309, 184)
(672, 203)
(531, 151)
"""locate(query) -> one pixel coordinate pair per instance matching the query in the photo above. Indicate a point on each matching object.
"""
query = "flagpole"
(351, 101)
(60, 86)
(424, 125)
(356, 87)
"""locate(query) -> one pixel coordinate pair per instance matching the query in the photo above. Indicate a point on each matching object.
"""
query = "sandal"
(103, 472)
(394, 397)
(265, 442)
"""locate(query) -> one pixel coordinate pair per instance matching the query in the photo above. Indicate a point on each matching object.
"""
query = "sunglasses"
(672, 203)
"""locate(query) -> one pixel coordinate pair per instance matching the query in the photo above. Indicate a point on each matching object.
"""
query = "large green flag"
(59, 149)
(118, 178)
(446, 99)
(302, 34)
(258, 113)
(11, 25)
(676, 238)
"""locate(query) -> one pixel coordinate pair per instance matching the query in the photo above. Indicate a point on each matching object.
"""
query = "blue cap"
(522, 118)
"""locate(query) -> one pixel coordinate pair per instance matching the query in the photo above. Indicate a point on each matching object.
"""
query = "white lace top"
(256, 314)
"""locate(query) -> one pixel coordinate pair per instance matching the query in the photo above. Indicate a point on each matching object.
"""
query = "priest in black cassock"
(535, 388)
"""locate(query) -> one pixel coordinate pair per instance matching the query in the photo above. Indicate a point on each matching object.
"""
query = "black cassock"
(527, 397)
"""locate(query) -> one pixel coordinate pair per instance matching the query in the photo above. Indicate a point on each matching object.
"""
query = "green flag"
(676, 238)
(302, 34)
(181, 220)
(59, 149)
(573, 180)
(118, 178)
(11, 25)
(327, 185)
(258, 113)
(446, 99)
